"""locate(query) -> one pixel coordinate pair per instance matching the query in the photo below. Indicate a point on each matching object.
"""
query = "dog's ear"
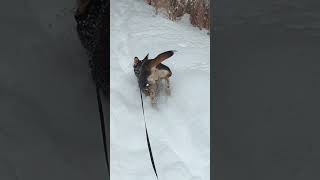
(135, 61)
(161, 57)
(147, 57)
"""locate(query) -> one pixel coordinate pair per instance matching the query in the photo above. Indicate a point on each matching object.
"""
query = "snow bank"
(179, 126)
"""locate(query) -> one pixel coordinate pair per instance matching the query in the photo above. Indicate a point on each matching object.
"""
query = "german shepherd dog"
(150, 71)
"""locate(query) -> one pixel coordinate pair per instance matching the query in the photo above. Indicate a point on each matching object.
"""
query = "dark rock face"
(92, 31)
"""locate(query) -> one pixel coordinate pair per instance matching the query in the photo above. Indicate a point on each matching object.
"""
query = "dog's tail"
(161, 57)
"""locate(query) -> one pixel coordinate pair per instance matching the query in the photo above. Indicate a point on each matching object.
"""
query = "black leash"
(103, 129)
(148, 141)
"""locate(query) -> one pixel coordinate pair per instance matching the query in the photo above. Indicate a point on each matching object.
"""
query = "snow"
(179, 124)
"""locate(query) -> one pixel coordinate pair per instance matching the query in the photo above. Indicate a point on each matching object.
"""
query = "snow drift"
(179, 126)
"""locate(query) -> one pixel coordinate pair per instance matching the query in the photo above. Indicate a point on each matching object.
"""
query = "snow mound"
(179, 125)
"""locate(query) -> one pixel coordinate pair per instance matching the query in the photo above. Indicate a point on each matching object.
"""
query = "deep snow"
(179, 125)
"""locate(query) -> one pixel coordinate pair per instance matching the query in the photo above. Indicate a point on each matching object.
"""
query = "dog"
(150, 72)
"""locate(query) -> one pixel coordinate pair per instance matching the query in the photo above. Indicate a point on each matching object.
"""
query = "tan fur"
(154, 79)
(161, 57)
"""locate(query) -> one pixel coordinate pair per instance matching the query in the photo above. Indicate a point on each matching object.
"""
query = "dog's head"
(140, 72)
(137, 62)
(138, 65)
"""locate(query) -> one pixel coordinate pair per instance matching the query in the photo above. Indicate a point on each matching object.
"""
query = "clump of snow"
(179, 125)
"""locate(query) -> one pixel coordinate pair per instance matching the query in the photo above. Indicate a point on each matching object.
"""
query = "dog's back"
(164, 68)
(151, 70)
(137, 68)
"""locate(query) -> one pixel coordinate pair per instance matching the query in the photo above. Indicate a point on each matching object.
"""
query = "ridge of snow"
(179, 128)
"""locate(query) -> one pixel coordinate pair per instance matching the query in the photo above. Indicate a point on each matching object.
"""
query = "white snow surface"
(179, 125)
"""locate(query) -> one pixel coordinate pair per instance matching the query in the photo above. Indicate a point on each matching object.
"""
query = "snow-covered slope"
(179, 125)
